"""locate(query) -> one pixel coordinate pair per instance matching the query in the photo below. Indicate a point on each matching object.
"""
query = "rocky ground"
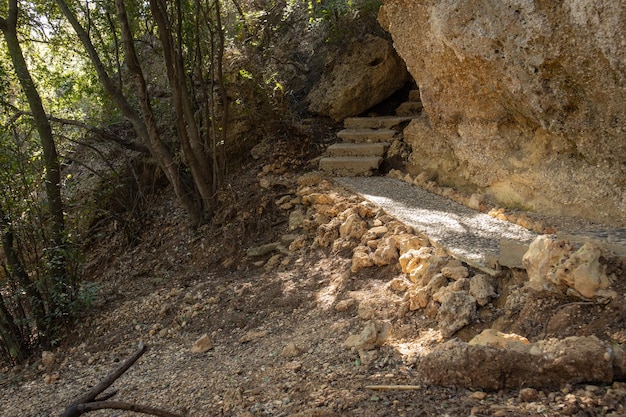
(308, 311)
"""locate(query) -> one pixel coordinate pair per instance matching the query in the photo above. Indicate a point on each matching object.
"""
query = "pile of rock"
(449, 292)
(442, 286)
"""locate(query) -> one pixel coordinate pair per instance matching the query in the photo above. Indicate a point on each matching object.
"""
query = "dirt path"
(277, 323)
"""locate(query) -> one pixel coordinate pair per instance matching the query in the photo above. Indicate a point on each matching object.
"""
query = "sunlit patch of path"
(469, 235)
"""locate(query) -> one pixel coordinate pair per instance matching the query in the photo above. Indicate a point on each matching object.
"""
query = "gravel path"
(471, 236)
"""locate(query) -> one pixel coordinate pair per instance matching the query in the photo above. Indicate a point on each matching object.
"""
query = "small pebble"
(479, 395)
(528, 394)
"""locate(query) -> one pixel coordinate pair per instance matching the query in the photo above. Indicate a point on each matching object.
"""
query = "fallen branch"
(120, 405)
(90, 401)
(394, 387)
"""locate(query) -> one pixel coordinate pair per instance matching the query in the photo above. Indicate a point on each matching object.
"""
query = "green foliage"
(39, 304)
(336, 14)
(38, 278)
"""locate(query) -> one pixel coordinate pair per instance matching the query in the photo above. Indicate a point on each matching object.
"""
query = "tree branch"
(110, 379)
(120, 405)
(102, 132)
(89, 401)
(105, 133)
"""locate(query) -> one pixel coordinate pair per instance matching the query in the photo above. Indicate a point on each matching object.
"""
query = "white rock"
(374, 334)
(353, 228)
(407, 241)
(553, 266)
(47, 358)
(543, 255)
(583, 272)
(481, 289)
(361, 259)
(422, 296)
(386, 253)
(475, 201)
(455, 272)
(457, 310)
(494, 338)
(398, 285)
(202, 345)
(290, 351)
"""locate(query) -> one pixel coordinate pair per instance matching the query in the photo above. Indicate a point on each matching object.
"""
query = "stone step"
(366, 135)
(358, 149)
(351, 166)
(409, 108)
(383, 122)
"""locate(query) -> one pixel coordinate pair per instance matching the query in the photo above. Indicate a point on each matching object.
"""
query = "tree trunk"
(53, 172)
(16, 346)
(16, 272)
(158, 148)
(144, 123)
(189, 133)
(109, 86)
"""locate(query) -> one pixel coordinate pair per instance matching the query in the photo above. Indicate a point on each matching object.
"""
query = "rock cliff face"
(523, 99)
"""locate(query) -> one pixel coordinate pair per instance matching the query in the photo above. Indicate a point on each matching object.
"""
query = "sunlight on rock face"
(326, 296)
(417, 347)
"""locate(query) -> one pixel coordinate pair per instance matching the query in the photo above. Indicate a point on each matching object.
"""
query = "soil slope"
(277, 322)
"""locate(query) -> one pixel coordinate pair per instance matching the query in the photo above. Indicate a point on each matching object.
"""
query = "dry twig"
(394, 387)
(90, 401)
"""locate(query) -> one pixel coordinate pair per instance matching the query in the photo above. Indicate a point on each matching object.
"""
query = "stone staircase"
(366, 140)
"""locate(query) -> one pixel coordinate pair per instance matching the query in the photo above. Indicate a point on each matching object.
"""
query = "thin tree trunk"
(220, 80)
(189, 134)
(17, 347)
(144, 124)
(17, 272)
(51, 162)
(158, 148)
(122, 104)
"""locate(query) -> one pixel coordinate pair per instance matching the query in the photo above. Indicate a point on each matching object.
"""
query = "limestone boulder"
(361, 259)
(455, 270)
(421, 296)
(554, 266)
(423, 264)
(202, 345)
(374, 233)
(494, 338)
(481, 288)
(369, 72)
(583, 272)
(522, 99)
(328, 233)
(458, 309)
(386, 253)
(415, 258)
(543, 255)
(547, 363)
(353, 228)
(407, 241)
(374, 334)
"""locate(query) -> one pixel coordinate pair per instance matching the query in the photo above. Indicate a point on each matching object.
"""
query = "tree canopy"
(175, 72)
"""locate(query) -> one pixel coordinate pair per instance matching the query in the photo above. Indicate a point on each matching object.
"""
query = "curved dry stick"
(89, 401)
(91, 395)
